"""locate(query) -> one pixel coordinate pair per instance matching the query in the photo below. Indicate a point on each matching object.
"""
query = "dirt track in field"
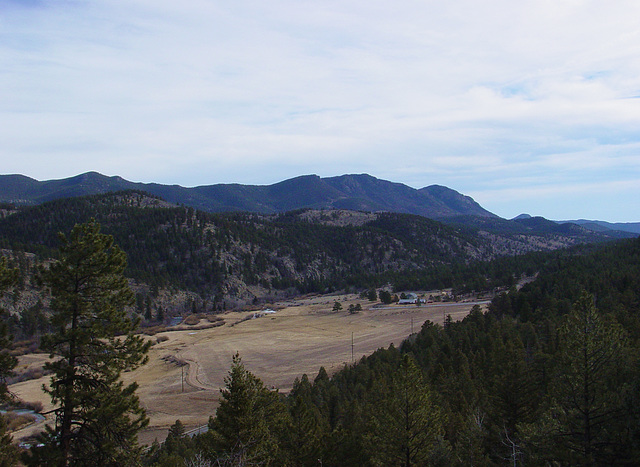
(300, 338)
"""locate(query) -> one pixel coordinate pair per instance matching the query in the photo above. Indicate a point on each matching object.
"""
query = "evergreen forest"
(550, 375)
(231, 259)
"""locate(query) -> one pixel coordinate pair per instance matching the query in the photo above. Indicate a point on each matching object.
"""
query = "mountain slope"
(240, 256)
(602, 226)
(354, 192)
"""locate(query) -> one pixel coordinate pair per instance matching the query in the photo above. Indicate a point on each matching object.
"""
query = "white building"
(410, 299)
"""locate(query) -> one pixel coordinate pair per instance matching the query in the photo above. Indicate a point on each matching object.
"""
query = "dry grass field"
(187, 368)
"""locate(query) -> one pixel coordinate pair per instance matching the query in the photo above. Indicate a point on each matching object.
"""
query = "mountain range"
(360, 192)
(352, 192)
(362, 231)
(602, 226)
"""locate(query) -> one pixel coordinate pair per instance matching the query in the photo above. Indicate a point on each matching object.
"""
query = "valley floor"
(187, 368)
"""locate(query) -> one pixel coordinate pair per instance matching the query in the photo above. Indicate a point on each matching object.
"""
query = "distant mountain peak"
(359, 192)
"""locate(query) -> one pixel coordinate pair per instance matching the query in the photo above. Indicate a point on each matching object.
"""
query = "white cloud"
(461, 93)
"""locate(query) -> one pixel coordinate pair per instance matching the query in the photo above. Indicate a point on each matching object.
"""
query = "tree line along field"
(186, 368)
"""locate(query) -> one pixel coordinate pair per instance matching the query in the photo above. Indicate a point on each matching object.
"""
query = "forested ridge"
(549, 375)
(243, 256)
(202, 251)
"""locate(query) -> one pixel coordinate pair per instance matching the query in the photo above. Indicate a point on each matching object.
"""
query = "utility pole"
(182, 368)
(352, 348)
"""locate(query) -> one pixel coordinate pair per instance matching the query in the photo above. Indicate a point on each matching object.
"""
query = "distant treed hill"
(538, 226)
(611, 274)
(601, 226)
(242, 256)
(352, 192)
(223, 254)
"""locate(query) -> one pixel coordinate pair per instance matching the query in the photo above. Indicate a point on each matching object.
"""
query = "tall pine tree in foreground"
(309, 430)
(589, 421)
(250, 422)
(408, 423)
(594, 356)
(92, 343)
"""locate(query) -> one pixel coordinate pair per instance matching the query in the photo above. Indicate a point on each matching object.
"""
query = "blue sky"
(527, 106)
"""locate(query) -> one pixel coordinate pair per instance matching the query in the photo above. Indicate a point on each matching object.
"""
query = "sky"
(528, 106)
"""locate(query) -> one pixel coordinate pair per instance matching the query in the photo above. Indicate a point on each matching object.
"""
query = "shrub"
(161, 339)
(192, 320)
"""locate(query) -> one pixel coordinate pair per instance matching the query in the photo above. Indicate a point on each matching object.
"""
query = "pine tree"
(177, 443)
(587, 419)
(8, 277)
(92, 343)
(372, 295)
(513, 392)
(407, 424)
(250, 420)
(513, 395)
(8, 454)
(308, 428)
(385, 297)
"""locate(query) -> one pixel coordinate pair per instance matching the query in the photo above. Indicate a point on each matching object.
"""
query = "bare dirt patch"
(187, 369)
